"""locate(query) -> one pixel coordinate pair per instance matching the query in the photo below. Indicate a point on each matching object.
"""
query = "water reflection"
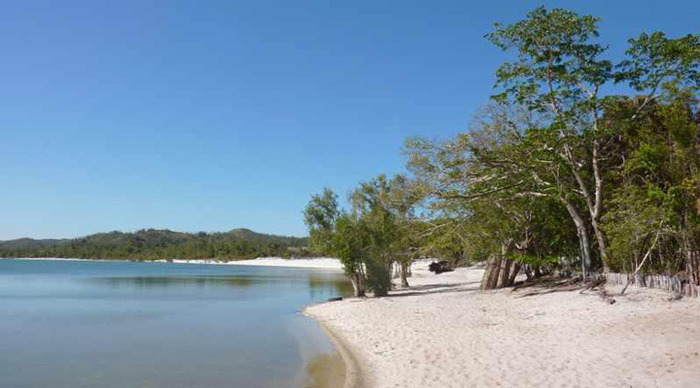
(320, 286)
(113, 325)
(155, 282)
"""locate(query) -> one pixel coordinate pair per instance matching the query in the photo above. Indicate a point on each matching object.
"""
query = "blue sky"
(213, 115)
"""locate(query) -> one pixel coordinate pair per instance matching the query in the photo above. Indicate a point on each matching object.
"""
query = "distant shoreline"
(315, 263)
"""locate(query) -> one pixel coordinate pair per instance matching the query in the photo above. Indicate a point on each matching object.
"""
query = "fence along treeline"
(152, 244)
(553, 173)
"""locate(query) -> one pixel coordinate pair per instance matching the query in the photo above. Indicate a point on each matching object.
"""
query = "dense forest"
(152, 244)
(577, 164)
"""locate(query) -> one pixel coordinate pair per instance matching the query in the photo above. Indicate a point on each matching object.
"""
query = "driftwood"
(592, 285)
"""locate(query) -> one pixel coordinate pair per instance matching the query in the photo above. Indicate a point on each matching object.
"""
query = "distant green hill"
(155, 244)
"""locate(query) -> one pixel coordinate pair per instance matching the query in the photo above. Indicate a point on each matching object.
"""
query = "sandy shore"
(443, 332)
(316, 263)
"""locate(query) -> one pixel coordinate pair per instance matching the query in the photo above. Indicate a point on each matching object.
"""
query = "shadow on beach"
(429, 289)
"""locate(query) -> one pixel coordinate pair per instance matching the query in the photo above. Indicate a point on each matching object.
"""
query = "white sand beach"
(443, 332)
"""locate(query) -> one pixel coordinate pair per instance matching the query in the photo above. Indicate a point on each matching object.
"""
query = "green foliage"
(333, 231)
(657, 185)
(655, 61)
(633, 218)
(152, 244)
(534, 260)
(376, 232)
(557, 65)
(548, 165)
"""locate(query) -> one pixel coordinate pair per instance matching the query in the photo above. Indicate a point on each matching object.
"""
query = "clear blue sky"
(213, 115)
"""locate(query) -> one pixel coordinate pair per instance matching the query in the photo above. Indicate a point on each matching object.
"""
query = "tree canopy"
(554, 173)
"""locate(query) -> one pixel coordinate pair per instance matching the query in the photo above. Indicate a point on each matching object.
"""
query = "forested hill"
(153, 244)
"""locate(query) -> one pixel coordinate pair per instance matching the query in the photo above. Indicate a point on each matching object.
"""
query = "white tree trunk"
(582, 238)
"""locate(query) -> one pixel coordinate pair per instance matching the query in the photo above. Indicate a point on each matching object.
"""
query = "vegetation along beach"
(559, 191)
(550, 239)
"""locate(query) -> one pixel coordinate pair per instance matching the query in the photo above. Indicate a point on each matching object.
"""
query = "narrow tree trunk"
(504, 273)
(404, 274)
(358, 284)
(646, 256)
(598, 206)
(493, 266)
(602, 247)
(582, 233)
(593, 202)
(358, 281)
(497, 269)
(514, 273)
(692, 261)
(692, 265)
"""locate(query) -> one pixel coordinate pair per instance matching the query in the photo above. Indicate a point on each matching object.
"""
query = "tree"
(337, 233)
(558, 73)
(657, 184)
(391, 203)
(487, 184)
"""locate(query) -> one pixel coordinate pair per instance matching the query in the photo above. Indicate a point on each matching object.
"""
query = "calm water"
(110, 324)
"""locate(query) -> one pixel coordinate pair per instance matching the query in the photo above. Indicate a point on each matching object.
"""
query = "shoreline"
(347, 364)
(443, 332)
(323, 263)
(353, 373)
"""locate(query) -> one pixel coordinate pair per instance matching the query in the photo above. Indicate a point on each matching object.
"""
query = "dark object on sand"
(336, 299)
(440, 267)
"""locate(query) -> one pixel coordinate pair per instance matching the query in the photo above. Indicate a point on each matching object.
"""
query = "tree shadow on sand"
(547, 285)
(430, 289)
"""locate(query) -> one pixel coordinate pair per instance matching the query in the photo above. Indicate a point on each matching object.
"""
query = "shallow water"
(119, 324)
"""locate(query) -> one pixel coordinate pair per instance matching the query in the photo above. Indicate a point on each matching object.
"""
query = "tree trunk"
(403, 269)
(582, 233)
(358, 281)
(598, 207)
(497, 269)
(692, 265)
(692, 261)
(692, 254)
(514, 273)
(504, 273)
(358, 285)
(594, 203)
(646, 256)
(493, 267)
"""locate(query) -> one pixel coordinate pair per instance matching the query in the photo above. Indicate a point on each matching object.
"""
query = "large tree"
(559, 73)
(486, 184)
